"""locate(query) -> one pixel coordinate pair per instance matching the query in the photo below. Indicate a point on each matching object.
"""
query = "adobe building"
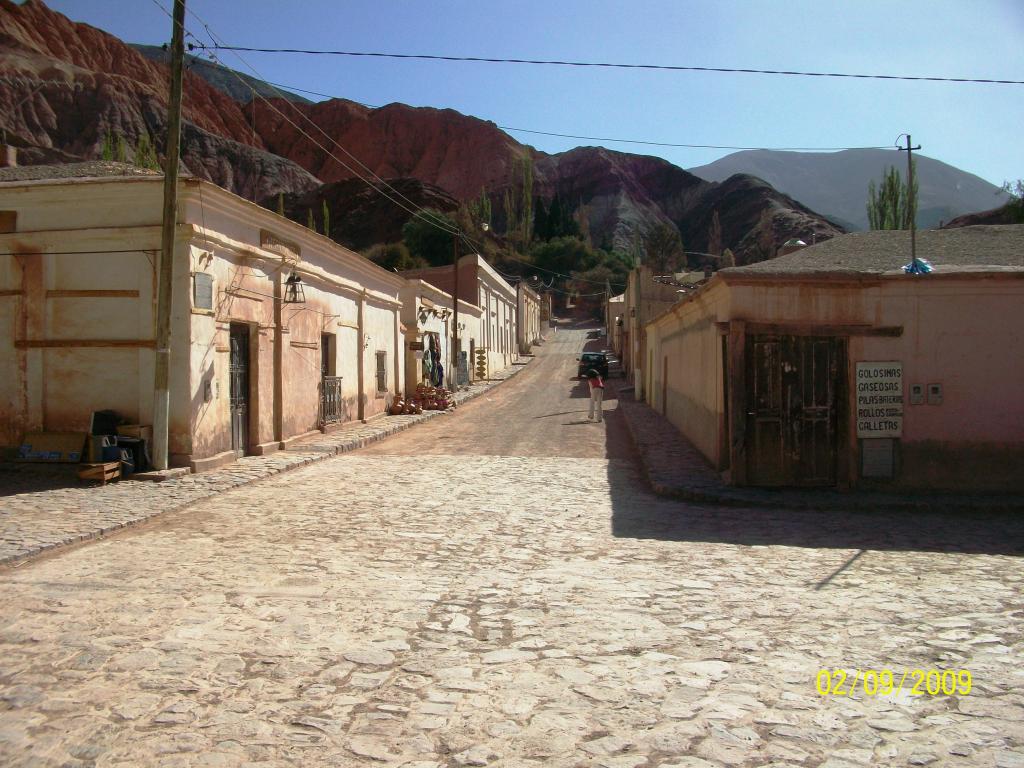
(831, 366)
(614, 308)
(481, 285)
(646, 296)
(276, 331)
(527, 317)
(428, 321)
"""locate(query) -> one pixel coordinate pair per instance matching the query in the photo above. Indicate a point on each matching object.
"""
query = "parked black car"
(596, 361)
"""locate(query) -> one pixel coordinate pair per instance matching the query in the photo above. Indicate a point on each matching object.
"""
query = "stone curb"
(253, 469)
(702, 489)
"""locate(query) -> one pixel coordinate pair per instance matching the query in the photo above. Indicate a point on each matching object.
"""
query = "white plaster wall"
(59, 388)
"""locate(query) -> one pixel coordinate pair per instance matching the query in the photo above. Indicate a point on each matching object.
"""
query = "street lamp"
(293, 291)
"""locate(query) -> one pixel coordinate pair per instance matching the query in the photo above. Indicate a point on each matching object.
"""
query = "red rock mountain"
(65, 86)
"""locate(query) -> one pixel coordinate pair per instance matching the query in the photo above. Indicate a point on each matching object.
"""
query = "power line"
(686, 146)
(599, 138)
(415, 210)
(617, 65)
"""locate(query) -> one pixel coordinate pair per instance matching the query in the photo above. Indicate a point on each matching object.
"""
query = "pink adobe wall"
(967, 336)
(959, 330)
(964, 332)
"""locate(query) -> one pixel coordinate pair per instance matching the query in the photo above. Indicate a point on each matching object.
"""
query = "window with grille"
(382, 371)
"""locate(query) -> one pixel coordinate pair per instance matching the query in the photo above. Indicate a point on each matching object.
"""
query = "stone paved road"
(498, 588)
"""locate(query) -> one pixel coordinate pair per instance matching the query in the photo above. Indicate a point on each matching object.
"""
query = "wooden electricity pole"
(161, 379)
(453, 373)
(911, 201)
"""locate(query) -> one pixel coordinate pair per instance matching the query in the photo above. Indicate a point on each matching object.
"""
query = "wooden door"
(239, 401)
(792, 386)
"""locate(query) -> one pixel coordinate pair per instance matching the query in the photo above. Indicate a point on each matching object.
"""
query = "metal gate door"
(239, 403)
(791, 410)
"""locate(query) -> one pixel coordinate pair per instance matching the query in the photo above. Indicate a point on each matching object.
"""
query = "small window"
(382, 371)
(8, 221)
(327, 354)
(202, 291)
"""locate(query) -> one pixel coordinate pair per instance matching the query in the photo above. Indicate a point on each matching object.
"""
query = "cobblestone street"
(499, 587)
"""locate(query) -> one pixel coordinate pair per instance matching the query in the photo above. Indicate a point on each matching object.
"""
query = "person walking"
(596, 395)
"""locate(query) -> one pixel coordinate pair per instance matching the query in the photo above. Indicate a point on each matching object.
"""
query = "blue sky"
(974, 127)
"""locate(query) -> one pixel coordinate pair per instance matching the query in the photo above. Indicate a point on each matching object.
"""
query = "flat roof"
(91, 169)
(963, 249)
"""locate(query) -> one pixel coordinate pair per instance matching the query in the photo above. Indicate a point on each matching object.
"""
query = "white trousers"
(596, 398)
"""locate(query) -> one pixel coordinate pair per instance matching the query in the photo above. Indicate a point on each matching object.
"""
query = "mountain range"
(836, 183)
(65, 87)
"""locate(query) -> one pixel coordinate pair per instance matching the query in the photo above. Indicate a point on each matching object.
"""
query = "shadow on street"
(637, 513)
(18, 478)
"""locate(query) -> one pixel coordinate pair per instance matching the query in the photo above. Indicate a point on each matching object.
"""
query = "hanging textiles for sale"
(432, 369)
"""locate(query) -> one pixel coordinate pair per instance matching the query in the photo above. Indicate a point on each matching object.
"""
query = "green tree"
(715, 235)
(107, 148)
(564, 255)
(556, 218)
(480, 208)
(509, 209)
(394, 256)
(1016, 205)
(581, 221)
(541, 230)
(426, 237)
(890, 206)
(310, 221)
(560, 219)
(145, 153)
(517, 202)
(663, 248)
(765, 239)
(327, 219)
(526, 201)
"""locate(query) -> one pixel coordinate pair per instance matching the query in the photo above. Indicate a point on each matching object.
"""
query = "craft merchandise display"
(426, 398)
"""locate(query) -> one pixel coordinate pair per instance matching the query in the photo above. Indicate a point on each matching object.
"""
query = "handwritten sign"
(879, 388)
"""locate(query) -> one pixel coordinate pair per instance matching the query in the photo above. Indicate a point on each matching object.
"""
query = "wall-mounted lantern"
(293, 290)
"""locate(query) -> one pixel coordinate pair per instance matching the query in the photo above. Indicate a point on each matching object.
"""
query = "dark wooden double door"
(793, 388)
(239, 383)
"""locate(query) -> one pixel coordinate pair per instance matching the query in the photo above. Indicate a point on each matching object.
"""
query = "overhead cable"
(411, 208)
(645, 142)
(617, 65)
(685, 146)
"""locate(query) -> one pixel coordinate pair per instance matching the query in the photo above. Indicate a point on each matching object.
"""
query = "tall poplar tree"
(715, 235)
(890, 206)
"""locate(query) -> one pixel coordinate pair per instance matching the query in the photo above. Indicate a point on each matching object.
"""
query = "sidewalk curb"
(253, 469)
(719, 494)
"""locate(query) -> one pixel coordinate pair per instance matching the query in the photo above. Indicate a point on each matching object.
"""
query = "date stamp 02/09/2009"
(885, 682)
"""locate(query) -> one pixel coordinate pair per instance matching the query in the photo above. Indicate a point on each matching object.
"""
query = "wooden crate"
(103, 471)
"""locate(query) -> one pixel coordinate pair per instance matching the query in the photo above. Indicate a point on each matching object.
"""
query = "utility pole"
(911, 202)
(161, 380)
(453, 373)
